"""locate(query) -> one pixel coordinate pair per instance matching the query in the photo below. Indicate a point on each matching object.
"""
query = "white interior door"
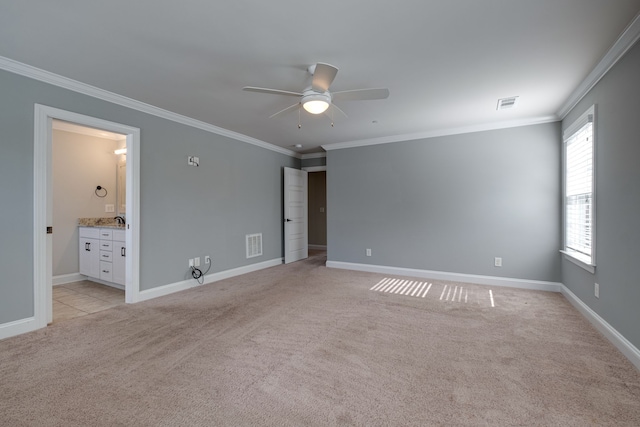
(296, 237)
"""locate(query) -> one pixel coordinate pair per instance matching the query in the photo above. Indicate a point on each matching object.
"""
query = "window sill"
(591, 268)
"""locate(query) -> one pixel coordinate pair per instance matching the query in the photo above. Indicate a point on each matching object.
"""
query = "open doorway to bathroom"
(83, 160)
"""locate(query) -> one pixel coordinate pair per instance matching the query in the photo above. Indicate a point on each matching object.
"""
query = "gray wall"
(617, 99)
(451, 203)
(316, 161)
(80, 163)
(185, 211)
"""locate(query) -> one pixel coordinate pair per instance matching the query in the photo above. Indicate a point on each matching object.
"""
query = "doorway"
(318, 210)
(317, 191)
(43, 207)
(83, 157)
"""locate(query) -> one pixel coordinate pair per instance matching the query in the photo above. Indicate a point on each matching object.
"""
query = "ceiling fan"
(316, 98)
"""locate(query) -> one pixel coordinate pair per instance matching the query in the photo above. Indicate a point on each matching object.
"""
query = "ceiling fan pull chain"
(299, 124)
(332, 110)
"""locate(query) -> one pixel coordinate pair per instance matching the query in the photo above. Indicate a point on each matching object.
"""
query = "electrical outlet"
(596, 290)
(196, 262)
(497, 262)
(207, 259)
(191, 262)
(368, 252)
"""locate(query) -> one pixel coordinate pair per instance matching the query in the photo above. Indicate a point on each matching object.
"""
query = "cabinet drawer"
(106, 234)
(89, 232)
(105, 271)
(105, 256)
(106, 245)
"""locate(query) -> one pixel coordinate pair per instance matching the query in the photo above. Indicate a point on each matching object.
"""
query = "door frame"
(43, 208)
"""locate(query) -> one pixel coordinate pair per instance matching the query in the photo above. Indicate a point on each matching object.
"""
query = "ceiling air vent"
(254, 245)
(506, 103)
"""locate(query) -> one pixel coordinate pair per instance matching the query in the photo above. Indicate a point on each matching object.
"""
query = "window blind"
(579, 173)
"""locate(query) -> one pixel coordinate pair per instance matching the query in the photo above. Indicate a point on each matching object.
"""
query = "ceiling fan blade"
(289, 108)
(323, 76)
(336, 108)
(271, 91)
(360, 94)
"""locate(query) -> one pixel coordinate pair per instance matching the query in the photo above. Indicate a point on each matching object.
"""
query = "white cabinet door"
(89, 257)
(119, 264)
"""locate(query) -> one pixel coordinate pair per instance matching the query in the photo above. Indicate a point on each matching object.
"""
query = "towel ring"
(99, 188)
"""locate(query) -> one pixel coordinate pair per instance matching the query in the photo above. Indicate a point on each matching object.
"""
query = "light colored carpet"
(305, 345)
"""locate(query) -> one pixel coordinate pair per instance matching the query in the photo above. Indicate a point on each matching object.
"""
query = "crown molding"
(441, 132)
(627, 39)
(85, 89)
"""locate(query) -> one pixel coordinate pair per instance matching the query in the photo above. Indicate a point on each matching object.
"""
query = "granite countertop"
(108, 222)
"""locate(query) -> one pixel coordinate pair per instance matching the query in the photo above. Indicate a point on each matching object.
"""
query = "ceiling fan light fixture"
(316, 107)
(316, 103)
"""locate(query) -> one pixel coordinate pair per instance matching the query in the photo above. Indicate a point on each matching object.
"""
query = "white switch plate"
(197, 262)
(498, 262)
(368, 252)
(191, 262)
(596, 290)
(109, 208)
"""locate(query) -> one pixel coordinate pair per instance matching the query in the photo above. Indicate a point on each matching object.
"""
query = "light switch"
(109, 208)
(321, 210)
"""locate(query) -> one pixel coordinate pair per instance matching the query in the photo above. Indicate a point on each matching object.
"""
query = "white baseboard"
(318, 247)
(214, 277)
(18, 327)
(63, 279)
(456, 277)
(630, 351)
(104, 282)
(210, 278)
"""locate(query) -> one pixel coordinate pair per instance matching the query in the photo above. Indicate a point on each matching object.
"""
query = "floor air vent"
(254, 245)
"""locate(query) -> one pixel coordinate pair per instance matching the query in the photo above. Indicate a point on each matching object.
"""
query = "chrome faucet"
(120, 220)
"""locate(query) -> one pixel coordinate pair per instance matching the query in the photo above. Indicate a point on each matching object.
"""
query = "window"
(579, 191)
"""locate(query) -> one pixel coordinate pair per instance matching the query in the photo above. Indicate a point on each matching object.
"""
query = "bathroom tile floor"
(81, 298)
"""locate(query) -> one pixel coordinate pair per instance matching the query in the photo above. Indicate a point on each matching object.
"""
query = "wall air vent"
(254, 245)
(506, 103)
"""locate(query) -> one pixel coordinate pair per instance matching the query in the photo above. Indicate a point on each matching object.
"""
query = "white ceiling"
(446, 63)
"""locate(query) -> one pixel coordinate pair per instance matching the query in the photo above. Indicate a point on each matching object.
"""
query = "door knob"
(289, 220)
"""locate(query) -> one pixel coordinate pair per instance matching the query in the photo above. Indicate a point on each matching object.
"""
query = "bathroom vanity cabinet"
(102, 254)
